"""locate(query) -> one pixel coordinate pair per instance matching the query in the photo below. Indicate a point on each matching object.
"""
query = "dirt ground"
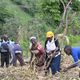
(25, 73)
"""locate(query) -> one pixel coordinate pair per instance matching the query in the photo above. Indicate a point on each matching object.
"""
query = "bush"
(74, 40)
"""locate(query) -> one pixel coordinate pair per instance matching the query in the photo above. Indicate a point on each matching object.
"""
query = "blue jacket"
(75, 52)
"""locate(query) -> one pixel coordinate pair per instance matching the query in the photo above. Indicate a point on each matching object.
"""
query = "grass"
(17, 12)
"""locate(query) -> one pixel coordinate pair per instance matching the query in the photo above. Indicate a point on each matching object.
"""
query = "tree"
(54, 10)
(51, 11)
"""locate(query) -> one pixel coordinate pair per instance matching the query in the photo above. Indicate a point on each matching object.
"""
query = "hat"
(33, 37)
(49, 34)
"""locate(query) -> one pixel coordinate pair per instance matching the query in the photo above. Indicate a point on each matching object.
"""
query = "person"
(11, 51)
(53, 55)
(13, 47)
(37, 50)
(17, 55)
(75, 53)
(5, 38)
(4, 50)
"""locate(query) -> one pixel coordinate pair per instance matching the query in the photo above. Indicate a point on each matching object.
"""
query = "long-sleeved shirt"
(75, 52)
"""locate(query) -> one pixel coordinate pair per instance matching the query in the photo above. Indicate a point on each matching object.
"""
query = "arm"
(71, 66)
(53, 53)
(57, 44)
(9, 51)
(31, 56)
(33, 52)
(75, 57)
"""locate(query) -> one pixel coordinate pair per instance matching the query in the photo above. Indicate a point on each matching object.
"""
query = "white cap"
(33, 37)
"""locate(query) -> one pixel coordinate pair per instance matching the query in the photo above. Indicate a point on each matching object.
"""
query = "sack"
(4, 47)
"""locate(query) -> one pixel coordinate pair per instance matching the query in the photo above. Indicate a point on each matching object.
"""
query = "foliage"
(10, 27)
(35, 17)
(74, 40)
(51, 10)
(75, 5)
(4, 14)
(18, 2)
(21, 19)
(74, 25)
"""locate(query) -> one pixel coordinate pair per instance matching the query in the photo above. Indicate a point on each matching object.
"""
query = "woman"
(37, 50)
(52, 52)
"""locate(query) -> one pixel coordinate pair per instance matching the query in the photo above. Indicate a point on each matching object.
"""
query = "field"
(25, 73)
(28, 19)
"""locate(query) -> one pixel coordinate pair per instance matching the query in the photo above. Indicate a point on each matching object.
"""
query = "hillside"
(21, 19)
(27, 19)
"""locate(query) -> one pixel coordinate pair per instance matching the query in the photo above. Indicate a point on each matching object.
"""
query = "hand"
(34, 51)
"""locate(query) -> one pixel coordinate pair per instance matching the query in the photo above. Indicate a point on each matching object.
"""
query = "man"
(4, 50)
(52, 52)
(75, 53)
(6, 39)
(37, 50)
(17, 55)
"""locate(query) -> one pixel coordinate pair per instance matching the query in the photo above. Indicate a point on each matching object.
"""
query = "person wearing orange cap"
(53, 50)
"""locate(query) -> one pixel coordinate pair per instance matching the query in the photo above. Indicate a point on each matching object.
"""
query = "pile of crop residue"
(24, 73)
